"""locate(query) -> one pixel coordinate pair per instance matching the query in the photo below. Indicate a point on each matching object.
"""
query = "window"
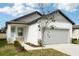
(13, 29)
(20, 31)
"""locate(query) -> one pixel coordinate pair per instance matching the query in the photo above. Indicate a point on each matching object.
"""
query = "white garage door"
(57, 36)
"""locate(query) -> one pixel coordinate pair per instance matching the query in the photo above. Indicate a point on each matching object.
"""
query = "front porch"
(16, 32)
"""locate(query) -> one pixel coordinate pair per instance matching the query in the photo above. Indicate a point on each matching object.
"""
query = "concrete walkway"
(27, 47)
(70, 49)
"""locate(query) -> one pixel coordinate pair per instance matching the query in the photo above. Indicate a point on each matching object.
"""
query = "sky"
(10, 11)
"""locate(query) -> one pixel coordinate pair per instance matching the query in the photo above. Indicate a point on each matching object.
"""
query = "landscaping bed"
(32, 45)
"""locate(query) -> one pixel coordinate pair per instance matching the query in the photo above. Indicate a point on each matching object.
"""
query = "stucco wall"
(25, 33)
(8, 34)
(33, 34)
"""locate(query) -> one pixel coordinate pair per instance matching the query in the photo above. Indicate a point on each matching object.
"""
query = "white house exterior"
(26, 28)
(75, 32)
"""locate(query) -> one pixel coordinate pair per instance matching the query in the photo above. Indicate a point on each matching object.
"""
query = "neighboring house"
(75, 32)
(2, 33)
(26, 28)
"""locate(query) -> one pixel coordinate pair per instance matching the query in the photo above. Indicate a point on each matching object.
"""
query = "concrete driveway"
(70, 49)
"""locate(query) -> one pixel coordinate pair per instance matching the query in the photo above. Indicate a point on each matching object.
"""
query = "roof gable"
(27, 15)
(62, 15)
(66, 17)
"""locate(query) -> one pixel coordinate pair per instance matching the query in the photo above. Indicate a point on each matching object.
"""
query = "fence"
(2, 35)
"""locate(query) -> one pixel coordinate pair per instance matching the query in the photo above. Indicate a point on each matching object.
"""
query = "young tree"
(44, 24)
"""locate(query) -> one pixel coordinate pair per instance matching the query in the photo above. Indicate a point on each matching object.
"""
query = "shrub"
(40, 42)
(74, 41)
(18, 46)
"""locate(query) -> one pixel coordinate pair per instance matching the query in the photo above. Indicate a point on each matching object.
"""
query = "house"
(75, 32)
(3, 33)
(26, 28)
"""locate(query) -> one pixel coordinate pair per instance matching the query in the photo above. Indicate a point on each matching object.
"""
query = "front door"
(20, 33)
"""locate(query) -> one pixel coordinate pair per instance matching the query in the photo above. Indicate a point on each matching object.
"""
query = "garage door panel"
(57, 36)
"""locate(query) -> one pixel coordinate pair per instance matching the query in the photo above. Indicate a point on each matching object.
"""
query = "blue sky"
(9, 11)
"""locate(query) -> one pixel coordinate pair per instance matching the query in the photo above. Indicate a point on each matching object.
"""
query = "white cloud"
(36, 5)
(70, 7)
(17, 10)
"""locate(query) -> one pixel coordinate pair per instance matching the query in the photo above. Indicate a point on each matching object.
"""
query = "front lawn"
(10, 50)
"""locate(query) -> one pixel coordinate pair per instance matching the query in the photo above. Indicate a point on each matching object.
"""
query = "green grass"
(10, 50)
(75, 41)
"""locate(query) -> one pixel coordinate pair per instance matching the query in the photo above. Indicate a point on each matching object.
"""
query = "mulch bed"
(33, 45)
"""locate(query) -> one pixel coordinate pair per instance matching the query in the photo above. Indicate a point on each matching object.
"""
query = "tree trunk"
(43, 30)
